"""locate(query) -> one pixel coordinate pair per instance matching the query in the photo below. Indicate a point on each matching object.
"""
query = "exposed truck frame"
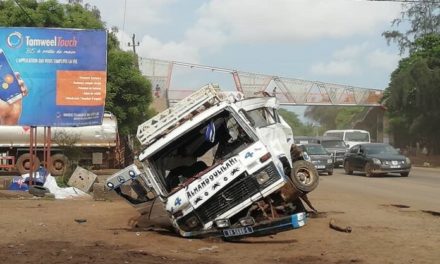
(97, 146)
(221, 165)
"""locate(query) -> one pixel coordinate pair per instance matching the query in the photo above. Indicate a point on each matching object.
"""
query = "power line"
(24, 11)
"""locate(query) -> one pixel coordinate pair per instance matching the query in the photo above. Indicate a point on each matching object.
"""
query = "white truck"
(96, 145)
(222, 165)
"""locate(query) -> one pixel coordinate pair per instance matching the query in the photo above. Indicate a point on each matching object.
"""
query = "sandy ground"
(87, 231)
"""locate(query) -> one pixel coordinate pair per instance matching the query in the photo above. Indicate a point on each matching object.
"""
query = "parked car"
(375, 159)
(337, 149)
(322, 160)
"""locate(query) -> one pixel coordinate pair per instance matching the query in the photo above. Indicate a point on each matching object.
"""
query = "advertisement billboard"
(52, 77)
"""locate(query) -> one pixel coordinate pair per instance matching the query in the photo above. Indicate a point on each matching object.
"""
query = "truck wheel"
(304, 176)
(38, 191)
(24, 163)
(58, 164)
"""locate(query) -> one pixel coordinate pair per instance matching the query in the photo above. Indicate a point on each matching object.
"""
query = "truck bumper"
(293, 221)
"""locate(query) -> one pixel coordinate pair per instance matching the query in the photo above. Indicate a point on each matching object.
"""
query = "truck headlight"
(192, 222)
(247, 221)
(222, 223)
(376, 161)
(329, 161)
(262, 177)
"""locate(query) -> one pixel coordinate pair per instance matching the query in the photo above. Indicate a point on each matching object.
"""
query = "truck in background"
(97, 146)
(351, 137)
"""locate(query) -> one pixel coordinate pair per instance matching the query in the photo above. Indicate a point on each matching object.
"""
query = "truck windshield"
(197, 149)
(357, 136)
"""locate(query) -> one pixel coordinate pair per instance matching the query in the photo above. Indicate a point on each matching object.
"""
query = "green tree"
(128, 92)
(334, 117)
(299, 129)
(422, 18)
(413, 95)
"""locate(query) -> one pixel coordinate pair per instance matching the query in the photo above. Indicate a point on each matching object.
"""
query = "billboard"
(52, 77)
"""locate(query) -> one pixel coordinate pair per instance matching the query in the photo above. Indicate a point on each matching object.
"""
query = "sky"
(336, 41)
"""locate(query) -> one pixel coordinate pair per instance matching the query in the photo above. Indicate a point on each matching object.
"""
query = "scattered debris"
(82, 179)
(207, 248)
(434, 213)
(400, 205)
(80, 220)
(336, 227)
(38, 191)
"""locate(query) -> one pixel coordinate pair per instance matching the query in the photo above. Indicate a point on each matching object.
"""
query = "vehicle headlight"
(247, 221)
(408, 161)
(262, 177)
(192, 222)
(222, 223)
(306, 156)
(376, 161)
(329, 161)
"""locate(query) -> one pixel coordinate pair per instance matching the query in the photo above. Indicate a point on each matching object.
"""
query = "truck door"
(272, 132)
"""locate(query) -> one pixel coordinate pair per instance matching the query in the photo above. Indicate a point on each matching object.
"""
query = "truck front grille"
(235, 193)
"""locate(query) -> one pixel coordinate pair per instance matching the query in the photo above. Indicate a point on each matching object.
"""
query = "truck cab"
(223, 166)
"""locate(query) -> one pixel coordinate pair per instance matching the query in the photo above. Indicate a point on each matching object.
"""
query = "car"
(322, 160)
(376, 159)
(337, 149)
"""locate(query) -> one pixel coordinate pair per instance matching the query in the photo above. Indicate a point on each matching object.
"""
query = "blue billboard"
(52, 77)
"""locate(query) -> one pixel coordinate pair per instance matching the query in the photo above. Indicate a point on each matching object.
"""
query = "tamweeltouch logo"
(56, 41)
(14, 40)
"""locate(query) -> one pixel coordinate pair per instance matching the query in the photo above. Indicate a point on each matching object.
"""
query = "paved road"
(420, 190)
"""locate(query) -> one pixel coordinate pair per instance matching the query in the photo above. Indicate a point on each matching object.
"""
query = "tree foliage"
(413, 95)
(334, 117)
(299, 129)
(423, 18)
(128, 92)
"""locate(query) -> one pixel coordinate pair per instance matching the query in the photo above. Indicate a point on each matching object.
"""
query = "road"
(420, 190)
(394, 220)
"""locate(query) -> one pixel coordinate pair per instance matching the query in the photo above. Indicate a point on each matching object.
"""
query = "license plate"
(320, 166)
(238, 231)
(395, 166)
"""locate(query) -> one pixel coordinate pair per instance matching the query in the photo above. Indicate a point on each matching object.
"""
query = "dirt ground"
(87, 231)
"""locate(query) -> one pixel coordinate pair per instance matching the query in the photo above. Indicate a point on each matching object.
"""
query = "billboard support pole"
(46, 147)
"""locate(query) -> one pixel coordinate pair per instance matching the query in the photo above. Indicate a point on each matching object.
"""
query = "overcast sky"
(324, 40)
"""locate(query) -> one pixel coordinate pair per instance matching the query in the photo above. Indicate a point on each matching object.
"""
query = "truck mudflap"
(285, 223)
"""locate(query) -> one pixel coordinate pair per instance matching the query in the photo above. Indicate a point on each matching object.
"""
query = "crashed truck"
(222, 165)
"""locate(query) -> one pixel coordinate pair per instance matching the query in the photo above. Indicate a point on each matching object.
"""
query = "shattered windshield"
(214, 140)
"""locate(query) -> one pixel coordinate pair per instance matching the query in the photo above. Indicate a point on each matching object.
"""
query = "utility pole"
(134, 45)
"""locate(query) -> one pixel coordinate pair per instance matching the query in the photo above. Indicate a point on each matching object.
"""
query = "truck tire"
(38, 191)
(23, 163)
(304, 176)
(58, 164)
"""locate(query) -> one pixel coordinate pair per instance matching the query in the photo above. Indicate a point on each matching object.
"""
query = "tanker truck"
(95, 146)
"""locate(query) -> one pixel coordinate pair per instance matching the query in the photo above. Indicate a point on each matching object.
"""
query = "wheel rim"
(304, 176)
(368, 170)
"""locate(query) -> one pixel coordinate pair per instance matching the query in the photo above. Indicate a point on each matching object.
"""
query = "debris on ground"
(333, 225)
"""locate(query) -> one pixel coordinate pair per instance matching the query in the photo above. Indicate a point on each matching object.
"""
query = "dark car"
(337, 149)
(319, 157)
(375, 159)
